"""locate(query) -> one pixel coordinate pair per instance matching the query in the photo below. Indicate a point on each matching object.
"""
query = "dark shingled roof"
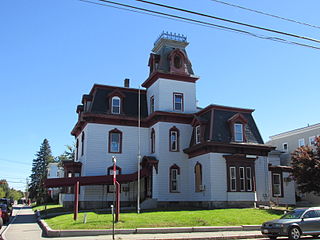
(216, 126)
(102, 98)
(221, 129)
(164, 64)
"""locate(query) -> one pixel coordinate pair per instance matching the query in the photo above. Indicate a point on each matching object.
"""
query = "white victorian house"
(209, 157)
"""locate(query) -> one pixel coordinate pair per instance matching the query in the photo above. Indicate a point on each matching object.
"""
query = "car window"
(317, 213)
(310, 214)
(295, 214)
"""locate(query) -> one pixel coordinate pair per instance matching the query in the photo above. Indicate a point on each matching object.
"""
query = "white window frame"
(242, 179)
(276, 184)
(198, 134)
(236, 132)
(233, 178)
(113, 106)
(174, 178)
(283, 148)
(312, 140)
(174, 102)
(301, 142)
(249, 179)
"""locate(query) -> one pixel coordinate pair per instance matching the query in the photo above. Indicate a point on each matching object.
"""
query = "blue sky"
(53, 51)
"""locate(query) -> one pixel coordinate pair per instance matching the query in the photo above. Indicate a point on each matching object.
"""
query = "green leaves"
(306, 167)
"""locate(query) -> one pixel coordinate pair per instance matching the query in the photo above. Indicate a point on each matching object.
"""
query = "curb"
(76, 233)
(253, 236)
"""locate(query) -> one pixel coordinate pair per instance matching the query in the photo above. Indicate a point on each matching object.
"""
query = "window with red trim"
(174, 178)
(197, 134)
(198, 177)
(115, 105)
(115, 141)
(178, 102)
(82, 144)
(174, 139)
(151, 104)
(153, 141)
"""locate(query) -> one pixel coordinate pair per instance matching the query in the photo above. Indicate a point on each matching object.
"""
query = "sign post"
(116, 188)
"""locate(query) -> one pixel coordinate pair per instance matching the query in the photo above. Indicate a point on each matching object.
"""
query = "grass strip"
(216, 217)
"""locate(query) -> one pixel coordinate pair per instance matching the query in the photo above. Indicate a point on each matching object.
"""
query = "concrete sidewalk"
(24, 226)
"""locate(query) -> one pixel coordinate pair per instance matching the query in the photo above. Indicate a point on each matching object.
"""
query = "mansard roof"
(101, 95)
(215, 122)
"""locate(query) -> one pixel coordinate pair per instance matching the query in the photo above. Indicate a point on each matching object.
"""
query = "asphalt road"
(23, 226)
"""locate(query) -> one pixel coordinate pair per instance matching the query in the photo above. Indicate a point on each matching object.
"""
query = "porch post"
(76, 201)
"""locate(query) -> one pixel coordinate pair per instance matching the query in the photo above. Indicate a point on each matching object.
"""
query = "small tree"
(306, 168)
(37, 190)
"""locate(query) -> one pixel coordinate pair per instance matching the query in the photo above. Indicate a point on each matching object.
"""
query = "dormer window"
(237, 125)
(116, 103)
(197, 134)
(178, 102)
(238, 132)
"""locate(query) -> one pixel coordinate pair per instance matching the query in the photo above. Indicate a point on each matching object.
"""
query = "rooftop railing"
(171, 36)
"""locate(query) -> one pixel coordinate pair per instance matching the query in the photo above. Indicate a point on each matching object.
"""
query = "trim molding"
(156, 75)
(232, 148)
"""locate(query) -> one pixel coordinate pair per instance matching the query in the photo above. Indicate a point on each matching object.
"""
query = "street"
(23, 226)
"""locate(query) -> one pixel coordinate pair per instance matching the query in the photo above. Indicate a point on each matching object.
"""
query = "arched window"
(174, 139)
(174, 178)
(82, 144)
(198, 177)
(177, 61)
(153, 141)
(115, 105)
(115, 141)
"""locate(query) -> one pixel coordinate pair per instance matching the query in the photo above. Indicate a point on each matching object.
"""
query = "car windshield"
(295, 214)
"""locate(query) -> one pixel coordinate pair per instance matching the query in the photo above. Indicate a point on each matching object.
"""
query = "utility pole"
(139, 154)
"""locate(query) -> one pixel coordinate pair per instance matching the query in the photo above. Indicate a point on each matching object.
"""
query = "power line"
(230, 21)
(198, 22)
(12, 161)
(267, 14)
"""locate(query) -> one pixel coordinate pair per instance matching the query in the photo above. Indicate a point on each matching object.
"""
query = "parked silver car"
(301, 221)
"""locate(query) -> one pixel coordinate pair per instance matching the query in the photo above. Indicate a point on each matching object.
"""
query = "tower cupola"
(169, 55)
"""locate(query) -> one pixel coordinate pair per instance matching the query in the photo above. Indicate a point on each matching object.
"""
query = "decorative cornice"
(225, 108)
(122, 120)
(101, 86)
(232, 148)
(280, 168)
(156, 75)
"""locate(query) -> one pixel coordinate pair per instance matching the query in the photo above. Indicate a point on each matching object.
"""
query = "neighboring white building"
(210, 157)
(54, 171)
(289, 141)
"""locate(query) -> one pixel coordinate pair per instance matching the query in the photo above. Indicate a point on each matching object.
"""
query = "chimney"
(126, 82)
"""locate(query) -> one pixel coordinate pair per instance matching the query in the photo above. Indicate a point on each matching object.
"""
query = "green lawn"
(51, 208)
(217, 217)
